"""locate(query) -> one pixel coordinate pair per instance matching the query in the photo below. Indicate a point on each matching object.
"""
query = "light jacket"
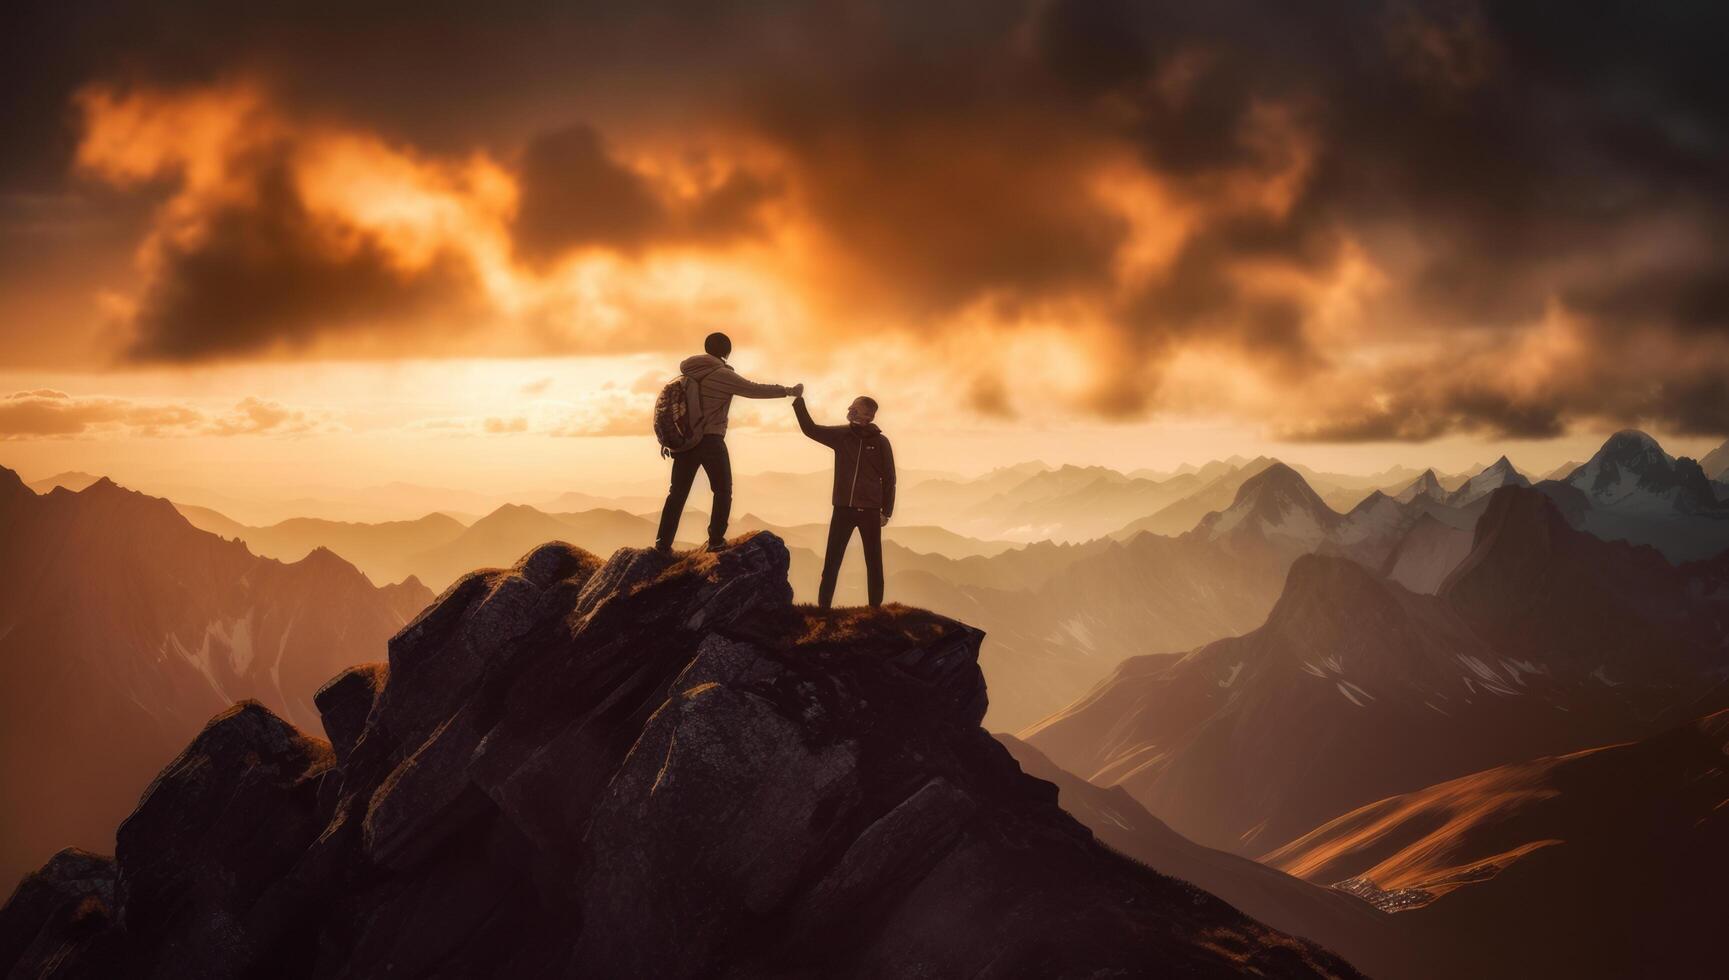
(864, 463)
(718, 383)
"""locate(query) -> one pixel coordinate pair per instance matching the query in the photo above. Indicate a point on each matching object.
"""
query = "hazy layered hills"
(1069, 503)
(1215, 573)
(1058, 616)
(1716, 462)
(437, 549)
(1079, 503)
(74, 480)
(1545, 639)
(123, 628)
(388, 551)
(1605, 863)
(637, 767)
(1151, 594)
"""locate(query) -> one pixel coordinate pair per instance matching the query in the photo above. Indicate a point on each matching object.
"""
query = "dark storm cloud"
(1417, 415)
(574, 194)
(936, 154)
(1491, 159)
(262, 274)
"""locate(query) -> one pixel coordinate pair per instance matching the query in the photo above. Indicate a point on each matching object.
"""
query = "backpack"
(678, 416)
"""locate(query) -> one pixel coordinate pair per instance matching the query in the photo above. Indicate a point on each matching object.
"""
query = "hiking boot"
(715, 545)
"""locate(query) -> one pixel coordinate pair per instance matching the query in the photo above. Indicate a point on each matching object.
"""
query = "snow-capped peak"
(1427, 485)
(1275, 503)
(1633, 473)
(1500, 473)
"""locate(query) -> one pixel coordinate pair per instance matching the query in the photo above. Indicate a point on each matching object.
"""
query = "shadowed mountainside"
(123, 628)
(642, 767)
(1370, 939)
(1516, 870)
(1544, 640)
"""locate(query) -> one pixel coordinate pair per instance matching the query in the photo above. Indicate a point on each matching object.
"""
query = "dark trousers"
(869, 522)
(710, 455)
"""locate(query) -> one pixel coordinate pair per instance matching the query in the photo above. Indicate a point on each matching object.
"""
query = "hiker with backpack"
(864, 491)
(690, 422)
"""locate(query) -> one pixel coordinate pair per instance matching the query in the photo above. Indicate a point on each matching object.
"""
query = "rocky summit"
(642, 767)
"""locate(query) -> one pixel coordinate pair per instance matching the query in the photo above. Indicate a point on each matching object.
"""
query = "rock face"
(60, 921)
(642, 767)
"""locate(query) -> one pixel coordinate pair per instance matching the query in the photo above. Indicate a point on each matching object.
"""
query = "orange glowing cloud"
(286, 235)
(1046, 233)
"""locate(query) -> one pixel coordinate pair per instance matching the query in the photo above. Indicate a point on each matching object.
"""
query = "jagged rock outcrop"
(60, 920)
(642, 767)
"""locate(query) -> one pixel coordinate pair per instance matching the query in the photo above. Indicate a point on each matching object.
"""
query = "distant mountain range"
(1716, 462)
(1049, 638)
(1544, 639)
(1632, 490)
(645, 766)
(123, 628)
(1458, 717)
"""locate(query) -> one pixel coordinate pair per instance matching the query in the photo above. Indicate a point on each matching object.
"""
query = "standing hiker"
(690, 421)
(864, 491)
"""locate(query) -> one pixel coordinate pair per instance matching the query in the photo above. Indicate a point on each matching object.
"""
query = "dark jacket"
(864, 464)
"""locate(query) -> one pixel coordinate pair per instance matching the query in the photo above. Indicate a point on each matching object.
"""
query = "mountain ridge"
(638, 766)
(125, 627)
(1355, 688)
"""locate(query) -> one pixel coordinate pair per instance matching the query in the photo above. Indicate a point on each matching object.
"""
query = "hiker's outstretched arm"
(727, 380)
(824, 434)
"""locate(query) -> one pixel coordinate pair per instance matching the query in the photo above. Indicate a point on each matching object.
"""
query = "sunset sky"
(463, 244)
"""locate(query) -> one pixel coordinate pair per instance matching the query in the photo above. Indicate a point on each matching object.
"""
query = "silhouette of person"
(864, 491)
(716, 383)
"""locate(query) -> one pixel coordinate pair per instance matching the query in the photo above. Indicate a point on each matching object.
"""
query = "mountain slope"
(1634, 491)
(1355, 688)
(1426, 554)
(385, 551)
(642, 767)
(73, 480)
(1075, 503)
(514, 528)
(1540, 590)
(1633, 473)
(1068, 615)
(1514, 867)
(1372, 531)
(1181, 516)
(1352, 690)
(1427, 485)
(1370, 939)
(1716, 462)
(1496, 475)
(1274, 513)
(123, 627)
